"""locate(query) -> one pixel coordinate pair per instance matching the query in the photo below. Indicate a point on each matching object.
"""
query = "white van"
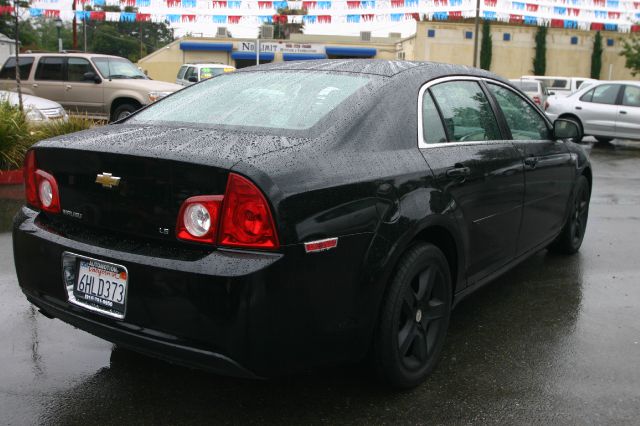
(560, 86)
(193, 73)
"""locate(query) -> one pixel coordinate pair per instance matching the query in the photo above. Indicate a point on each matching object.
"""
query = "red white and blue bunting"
(605, 15)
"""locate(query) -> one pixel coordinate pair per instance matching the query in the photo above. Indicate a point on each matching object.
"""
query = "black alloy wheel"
(572, 235)
(415, 317)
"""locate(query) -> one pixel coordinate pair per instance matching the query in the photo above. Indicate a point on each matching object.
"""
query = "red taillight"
(198, 218)
(546, 105)
(41, 188)
(30, 186)
(536, 99)
(246, 217)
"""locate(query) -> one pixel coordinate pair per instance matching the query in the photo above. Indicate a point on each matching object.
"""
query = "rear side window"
(293, 100)
(603, 94)
(631, 96)
(181, 72)
(8, 71)
(50, 69)
(77, 68)
(432, 128)
(466, 111)
(523, 119)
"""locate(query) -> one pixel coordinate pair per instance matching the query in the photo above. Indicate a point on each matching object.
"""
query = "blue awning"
(264, 56)
(302, 56)
(218, 47)
(359, 52)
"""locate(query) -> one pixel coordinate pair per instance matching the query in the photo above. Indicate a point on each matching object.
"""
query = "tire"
(602, 139)
(123, 111)
(570, 238)
(414, 319)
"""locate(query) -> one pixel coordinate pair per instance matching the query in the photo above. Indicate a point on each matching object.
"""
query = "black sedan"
(298, 214)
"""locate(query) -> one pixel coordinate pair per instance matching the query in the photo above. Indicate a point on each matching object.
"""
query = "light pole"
(59, 27)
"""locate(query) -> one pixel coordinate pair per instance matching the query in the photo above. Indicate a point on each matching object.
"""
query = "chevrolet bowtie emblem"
(107, 180)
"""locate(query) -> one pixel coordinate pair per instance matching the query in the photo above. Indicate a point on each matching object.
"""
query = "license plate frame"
(74, 264)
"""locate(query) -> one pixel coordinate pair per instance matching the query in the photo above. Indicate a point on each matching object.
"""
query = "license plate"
(97, 285)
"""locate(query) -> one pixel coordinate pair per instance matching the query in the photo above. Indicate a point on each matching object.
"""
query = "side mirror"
(552, 93)
(90, 76)
(566, 129)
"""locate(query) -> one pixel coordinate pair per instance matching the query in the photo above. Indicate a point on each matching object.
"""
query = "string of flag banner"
(606, 15)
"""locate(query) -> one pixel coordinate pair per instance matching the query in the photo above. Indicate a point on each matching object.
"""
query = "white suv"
(193, 73)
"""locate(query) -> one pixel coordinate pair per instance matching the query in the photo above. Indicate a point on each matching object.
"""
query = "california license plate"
(98, 286)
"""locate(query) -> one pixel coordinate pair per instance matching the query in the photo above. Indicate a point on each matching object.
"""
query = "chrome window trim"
(421, 142)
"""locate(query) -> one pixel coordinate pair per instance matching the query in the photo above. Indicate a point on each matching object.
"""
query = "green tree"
(596, 56)
(540, 58)
(631, 51)
(486, 47)
(107, 40)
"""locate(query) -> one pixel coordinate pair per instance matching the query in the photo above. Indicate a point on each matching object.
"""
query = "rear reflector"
(320, 245)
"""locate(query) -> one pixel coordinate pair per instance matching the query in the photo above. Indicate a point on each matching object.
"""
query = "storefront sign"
(282, 47)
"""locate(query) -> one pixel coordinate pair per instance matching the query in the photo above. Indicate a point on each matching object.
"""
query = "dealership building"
(568, 51)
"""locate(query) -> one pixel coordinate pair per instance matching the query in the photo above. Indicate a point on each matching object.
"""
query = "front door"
(628, 123)
(549, 168)
(598, 111)
(479, 173)
(82, 95)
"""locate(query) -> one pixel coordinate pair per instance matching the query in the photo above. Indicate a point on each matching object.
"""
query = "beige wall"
(512, 59)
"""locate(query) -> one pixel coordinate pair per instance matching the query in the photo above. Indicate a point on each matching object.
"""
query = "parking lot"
(556, 340)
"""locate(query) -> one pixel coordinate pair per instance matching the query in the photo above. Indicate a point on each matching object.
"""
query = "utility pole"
(16, 35)
(140, 28)
(75, 27)
(84, 31)
(475, 34)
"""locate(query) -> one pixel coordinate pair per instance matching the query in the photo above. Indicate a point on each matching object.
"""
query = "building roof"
(6, 39)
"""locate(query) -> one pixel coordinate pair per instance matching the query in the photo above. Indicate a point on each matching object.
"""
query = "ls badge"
(107, 180)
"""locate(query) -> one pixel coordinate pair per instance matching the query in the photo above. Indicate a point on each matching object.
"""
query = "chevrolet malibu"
(290, 215)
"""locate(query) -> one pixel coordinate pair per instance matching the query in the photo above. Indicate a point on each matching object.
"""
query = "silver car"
(38, 110)
(606, 110)
(534, 89)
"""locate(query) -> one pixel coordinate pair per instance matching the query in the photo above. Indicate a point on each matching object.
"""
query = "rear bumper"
(244, 314)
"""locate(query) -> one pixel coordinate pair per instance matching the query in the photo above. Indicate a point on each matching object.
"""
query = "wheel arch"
(122, 100)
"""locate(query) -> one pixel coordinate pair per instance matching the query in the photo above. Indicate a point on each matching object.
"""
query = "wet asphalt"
(556, 340)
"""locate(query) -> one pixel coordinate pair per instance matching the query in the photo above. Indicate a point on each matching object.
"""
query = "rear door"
(598, 111)
(81, 95)
(628, 122)
(549, 168)
(479, 173)
(48, 81)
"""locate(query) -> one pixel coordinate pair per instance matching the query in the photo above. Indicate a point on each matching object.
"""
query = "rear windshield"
(526, 86)
(284, 100)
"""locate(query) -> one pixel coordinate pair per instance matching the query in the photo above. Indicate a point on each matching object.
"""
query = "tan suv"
(100, 86)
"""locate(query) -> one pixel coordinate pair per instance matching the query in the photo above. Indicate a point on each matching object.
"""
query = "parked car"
(101, 86)
(606, 110)
(256, 236)
(189, 74)
(37, 110)
(560, 86)
(534, 89)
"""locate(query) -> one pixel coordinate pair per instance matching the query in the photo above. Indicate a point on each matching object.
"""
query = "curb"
(11, 177)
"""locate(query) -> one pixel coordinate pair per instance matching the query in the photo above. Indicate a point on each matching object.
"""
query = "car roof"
(207, 64)
(68, 54)
(380, 67)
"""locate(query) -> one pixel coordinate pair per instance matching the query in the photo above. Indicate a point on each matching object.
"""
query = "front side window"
(9, 69)
(631, 96)
(294, 100)
(466, 111)
(603, 94)
(191, 72)
(50, 69)
(523, 119)
(432, 128)
(207, 72)
(77, 68)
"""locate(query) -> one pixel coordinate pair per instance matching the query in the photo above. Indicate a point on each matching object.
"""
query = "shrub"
(17, 134)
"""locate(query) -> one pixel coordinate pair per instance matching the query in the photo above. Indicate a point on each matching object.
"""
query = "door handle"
(531, 162)
(458, 172)
(35, 85)
(578, 107)
(68, 87)
(623, 112)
